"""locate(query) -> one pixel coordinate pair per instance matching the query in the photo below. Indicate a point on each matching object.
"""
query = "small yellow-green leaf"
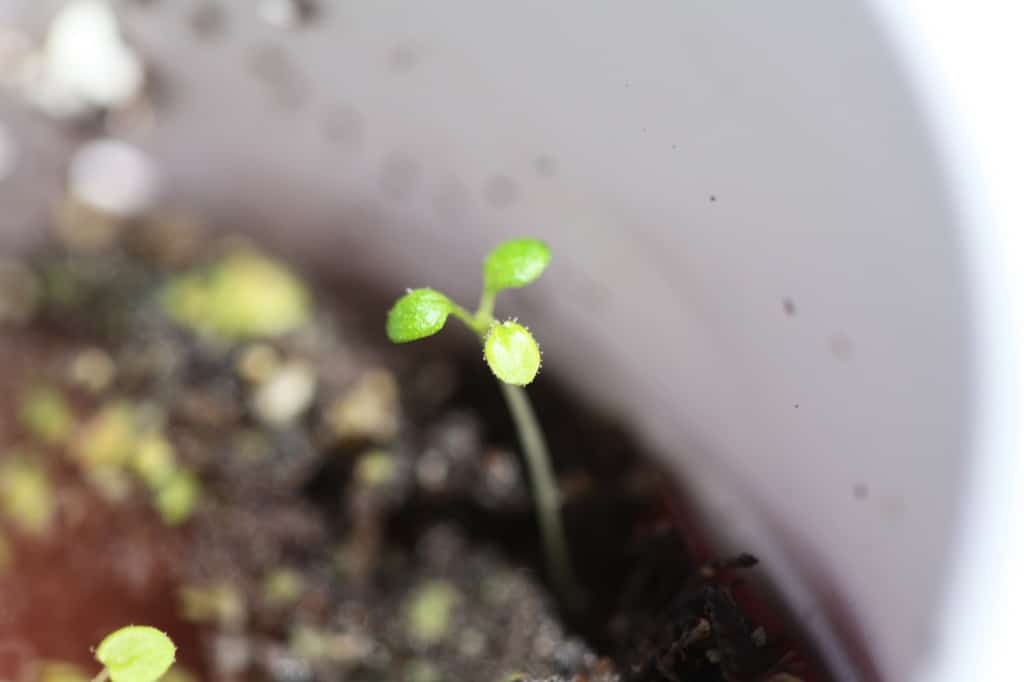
(428, 612)
(137, 653)
(177, 498)
(154, 460)
(376, 468)
(26, 495)
(108, 438)
(45, 413)
(511, 353)
(244, 295)
(283, 587)
(515, 263)
(417, 315)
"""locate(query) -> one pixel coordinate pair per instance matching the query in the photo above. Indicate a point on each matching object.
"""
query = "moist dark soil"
(312, 503)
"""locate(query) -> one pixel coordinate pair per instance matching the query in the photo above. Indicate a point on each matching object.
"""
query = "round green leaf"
(512, 354)
(137, 653)
(417, 315)
(515, 264)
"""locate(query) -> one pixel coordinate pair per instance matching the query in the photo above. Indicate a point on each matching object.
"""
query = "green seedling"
(514, 357)
(176, 500)
(46, 415)
(428, 612)
(115, 444)
(154, 461)
(108, 439)
(137, 653)
(26, 495)
(282, 587)
(244, 295)
(376, 468)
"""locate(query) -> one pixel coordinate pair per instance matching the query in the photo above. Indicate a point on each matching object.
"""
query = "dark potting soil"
(186, 442)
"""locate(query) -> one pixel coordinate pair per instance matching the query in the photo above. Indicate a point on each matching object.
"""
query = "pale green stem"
(545, 489)
(471, 321)
(485, 311)
(103, 676)
(547, 497)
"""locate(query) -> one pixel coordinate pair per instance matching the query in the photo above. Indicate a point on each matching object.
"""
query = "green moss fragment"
(376, 468)
(282, 587)
(245, 295)
(46, 415)
(26, 496)
(176, 500)
(154, 460)
(109, 438)
(428, 612)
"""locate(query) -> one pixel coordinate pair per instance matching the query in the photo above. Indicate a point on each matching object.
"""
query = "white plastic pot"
(783, 246)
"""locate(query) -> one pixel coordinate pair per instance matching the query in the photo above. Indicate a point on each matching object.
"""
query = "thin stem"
(103, 676)
(542, 477)
(485, 310)
(472, 321)
(545, 490)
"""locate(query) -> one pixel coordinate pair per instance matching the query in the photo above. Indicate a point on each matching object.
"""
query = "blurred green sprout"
(243, 295)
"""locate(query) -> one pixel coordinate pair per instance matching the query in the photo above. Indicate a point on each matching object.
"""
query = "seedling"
(428, 612)
(46, 415)
(244, 295)
(514, 356)
(137, 653)
(27, 498)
